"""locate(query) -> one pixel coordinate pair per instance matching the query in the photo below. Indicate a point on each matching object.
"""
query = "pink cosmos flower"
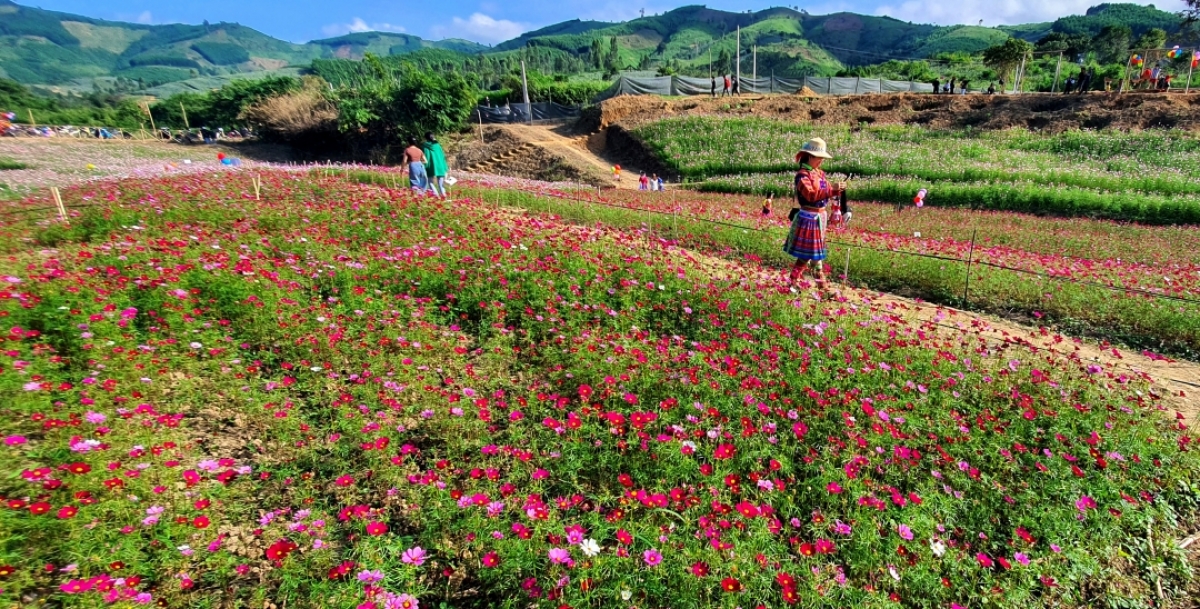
(414, 556)
(559, 556)
(1022, 558)
(652, 558)
(905, 532)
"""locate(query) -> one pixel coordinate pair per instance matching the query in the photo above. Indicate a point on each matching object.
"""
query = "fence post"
(970, 259)
(674, 222)
(846, 270)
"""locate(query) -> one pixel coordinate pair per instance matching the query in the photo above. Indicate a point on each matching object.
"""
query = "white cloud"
(992, 12)
(145, 17)
(481, 28)
(359, 25)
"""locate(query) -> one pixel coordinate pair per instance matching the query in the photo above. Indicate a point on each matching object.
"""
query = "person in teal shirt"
(436, 158)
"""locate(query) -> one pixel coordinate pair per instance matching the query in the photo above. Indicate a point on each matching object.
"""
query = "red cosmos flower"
(730, 584)
(747, 509)
(202, 504)
(345, 480)
(341, 570)
(280, 549)
(785, 580)
(1025, 535)
(585, 392)
(724, 451)
(825, 546)
(699, 569)
(985, 561)
(491, 560)
(67, 511)
(800, 429)
(624, 537)
(6, 570)
(790, 596)
(807, 549)
(79, 468)
(626, 480)
(200, 522)
(39, 508)
(191, 477)
(376, 528)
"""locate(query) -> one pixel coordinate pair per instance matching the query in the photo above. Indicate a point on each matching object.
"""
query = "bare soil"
(1131, 110)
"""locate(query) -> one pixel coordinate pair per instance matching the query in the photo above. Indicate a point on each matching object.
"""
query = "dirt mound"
(1045, 112)
(806, 92)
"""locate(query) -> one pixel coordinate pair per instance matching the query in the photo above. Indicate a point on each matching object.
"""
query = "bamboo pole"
(62, 210)
(31, 121)
(153, 127)
(185, 120)
(1191, 62)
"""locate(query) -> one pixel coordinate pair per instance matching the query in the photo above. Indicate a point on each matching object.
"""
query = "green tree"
(1004, 57)
(614, 55)
(404, 100)
(1112, 43)
(1154, 38)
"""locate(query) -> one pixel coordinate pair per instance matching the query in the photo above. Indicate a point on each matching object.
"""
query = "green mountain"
(53, 48)
(60, 50)
(795, 42)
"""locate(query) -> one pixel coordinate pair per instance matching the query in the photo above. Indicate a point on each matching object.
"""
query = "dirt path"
(589, 151)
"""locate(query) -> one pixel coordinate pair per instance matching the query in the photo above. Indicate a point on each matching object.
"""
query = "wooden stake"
(257, 188)
(153, 127)
(31, 121)
(62, 210)
(185, 120)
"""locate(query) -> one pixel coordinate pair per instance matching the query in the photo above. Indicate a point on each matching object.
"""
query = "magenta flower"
(414, 556)
(559, 556)
(15, 440)
(370, 577)
(1022, 558)
(905, 532)
(652, 558)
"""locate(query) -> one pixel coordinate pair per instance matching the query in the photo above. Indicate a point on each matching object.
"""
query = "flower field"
(1150, 177)
(1128, 283)
(344, 396)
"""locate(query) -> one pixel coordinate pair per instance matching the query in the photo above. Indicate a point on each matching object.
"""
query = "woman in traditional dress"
(806, 238)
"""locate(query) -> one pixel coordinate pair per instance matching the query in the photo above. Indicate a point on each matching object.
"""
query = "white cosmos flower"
(589, 547)
(938, 547)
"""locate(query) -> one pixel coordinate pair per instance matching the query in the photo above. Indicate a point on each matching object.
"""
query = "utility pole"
(525, 93)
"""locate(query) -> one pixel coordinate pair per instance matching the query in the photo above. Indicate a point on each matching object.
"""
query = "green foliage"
(36, 22)
(174, 59)
(222, 53)
(220, 108)
(1073, 174)
(1004, 57)
(403, 101)
(1112, 43)
(1136, 17)
(90, 110)
(9, 165)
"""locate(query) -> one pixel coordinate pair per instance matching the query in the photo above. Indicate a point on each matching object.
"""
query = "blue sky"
(491, 21)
